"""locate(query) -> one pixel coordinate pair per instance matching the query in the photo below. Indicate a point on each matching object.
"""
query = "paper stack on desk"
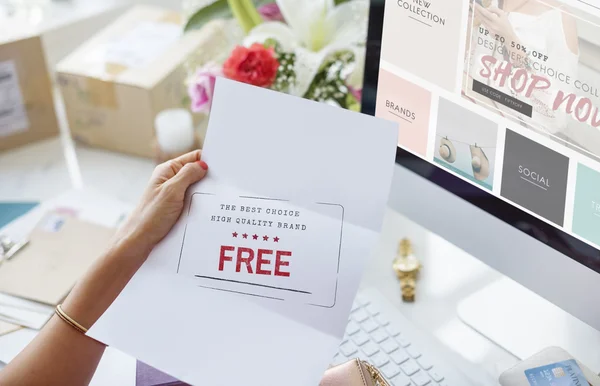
(7, 328)
(12, 210)
(254, 284)
(87, 206)
(23, 312)
(92, 209)
(61, 248)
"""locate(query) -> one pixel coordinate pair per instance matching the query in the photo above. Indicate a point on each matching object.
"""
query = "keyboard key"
(392, 330)
(369, 325)
(339, 359)
(348, 349)
(421, 378)
(370, 349)
(379, 359)
(409, 367)
(436, 376)
(401, 380)
(360, 338)
(362, 300)
(413, 352)
(425, 363)
(390, 370)
(402, 341)
(335, 359)
(372, 337)
(381, 320)
(362, 356)
(373, 309)
(399, 357)
(360, 316)
(379, 335)
(389, 346)
(352, 328)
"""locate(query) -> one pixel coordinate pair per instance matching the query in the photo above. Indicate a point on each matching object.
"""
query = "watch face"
(406, 264)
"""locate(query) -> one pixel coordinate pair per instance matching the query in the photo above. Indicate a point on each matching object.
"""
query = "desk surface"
(43, 170)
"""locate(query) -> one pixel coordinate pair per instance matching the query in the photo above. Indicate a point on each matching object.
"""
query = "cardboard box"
(26, 103)
(62, 25)
(114, 85)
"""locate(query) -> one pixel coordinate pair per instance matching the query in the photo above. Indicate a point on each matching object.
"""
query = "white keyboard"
(378, 333)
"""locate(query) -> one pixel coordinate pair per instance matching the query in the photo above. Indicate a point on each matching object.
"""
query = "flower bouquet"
(309, 48)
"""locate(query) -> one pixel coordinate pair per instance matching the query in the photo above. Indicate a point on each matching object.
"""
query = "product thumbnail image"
(465, 143)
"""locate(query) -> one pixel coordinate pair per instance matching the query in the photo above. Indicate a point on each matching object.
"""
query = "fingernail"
(203, 165)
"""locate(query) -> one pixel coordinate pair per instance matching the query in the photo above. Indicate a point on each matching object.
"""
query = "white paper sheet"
(271, 151)
(24, 312)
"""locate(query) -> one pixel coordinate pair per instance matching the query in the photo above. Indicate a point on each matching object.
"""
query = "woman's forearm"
(60, 355)
(96, 291)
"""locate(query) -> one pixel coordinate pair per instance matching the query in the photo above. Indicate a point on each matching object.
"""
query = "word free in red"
(257, 262)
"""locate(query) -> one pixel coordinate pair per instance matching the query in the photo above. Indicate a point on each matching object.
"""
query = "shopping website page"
(504, 94)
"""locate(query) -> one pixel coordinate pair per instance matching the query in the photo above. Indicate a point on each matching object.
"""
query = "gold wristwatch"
(407, 268)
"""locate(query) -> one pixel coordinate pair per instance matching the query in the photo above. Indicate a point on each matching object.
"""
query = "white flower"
(355, 80)
(314, 30)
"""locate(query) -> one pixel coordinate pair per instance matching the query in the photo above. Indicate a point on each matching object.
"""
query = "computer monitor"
(498, 109)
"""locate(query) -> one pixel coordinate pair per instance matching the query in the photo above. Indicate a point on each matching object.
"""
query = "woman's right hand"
(162, 202)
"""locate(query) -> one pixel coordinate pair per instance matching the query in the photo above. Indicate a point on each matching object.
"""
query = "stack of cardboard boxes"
(113, 85)
(26, 104)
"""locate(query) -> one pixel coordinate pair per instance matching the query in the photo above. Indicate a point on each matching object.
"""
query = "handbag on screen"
(353, 373)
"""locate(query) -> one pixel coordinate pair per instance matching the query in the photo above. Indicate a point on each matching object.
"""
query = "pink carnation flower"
(271, 12)
(202, 86)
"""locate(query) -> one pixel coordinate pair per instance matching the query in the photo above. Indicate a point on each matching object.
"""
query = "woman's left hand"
(496, 20)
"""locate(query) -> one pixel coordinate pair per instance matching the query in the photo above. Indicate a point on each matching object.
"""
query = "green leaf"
(243, 18)
(217, 10)
(352, 103)
(252, 11)
(338, 2)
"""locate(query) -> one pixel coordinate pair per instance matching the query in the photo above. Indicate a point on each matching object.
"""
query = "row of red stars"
(255, 237)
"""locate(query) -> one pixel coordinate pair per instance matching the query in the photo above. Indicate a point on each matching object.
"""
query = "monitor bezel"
(540, 230)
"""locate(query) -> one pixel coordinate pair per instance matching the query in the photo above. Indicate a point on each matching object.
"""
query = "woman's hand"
(162, 201)
(60, 355)
(496, 20)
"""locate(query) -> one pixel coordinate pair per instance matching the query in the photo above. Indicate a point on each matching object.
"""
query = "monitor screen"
(497, 101)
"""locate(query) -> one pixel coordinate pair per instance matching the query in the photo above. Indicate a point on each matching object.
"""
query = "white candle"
(174, 131)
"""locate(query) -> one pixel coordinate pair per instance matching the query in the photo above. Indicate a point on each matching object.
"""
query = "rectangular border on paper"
(266, 286)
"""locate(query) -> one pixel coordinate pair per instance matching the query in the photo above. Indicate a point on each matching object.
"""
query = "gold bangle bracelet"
(70, 321)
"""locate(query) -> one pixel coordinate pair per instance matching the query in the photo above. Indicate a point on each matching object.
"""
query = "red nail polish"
(203, 165)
